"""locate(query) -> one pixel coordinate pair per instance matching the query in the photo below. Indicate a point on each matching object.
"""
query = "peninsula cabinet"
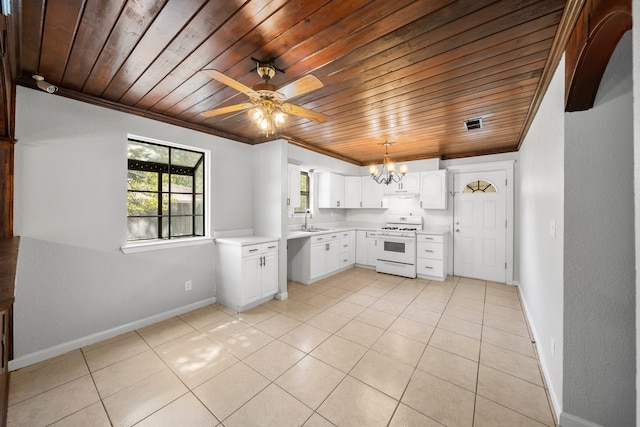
(246, 271)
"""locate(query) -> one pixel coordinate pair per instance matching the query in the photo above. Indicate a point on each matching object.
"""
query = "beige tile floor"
(357, 349)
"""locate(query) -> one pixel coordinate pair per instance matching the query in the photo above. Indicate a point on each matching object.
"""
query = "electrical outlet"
(187, 285)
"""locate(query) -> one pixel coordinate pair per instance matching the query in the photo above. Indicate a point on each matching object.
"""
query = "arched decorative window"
(479, 186)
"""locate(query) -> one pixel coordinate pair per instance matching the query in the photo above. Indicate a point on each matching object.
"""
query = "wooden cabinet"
(372, 193)
(431, 256)
(410, 184)
(8, 265)
(246, 275)
(433, 193)
(330, 190)
(352, 191)
(366, 248)
(293, 198)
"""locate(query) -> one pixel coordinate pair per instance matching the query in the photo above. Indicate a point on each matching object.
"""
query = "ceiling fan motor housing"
(266, 71)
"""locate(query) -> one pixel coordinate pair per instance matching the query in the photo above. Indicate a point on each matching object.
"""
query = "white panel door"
(479, 224)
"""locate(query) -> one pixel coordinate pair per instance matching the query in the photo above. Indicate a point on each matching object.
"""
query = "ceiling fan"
(268, 107)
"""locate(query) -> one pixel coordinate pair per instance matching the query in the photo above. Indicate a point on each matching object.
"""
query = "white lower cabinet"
(431, 256)
(310, 259)
(246, 275)
(366, 248)
(347, 249)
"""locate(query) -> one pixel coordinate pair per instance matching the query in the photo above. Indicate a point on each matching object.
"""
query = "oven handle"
(396, 239)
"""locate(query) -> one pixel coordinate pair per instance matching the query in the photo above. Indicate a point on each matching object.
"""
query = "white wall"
(541, 200)
(70, 209)
(599, 253)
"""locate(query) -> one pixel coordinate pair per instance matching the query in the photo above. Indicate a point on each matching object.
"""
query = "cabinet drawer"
(323, 238)
(430, 250)
(269, 247)
(345, 234)
(344, 260)
(433, 238)
(344, 245)
(261, 248)
(430, 267)
(251, 250)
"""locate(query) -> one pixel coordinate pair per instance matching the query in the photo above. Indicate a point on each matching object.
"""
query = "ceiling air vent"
(473, 123)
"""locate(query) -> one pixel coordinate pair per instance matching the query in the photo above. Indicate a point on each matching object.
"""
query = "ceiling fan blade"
(304, 113)
(301, 86)
(217, 75)
(229, 109)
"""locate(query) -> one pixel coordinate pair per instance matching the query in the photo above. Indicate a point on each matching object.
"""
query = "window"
(304, 193)
(165, 195)
(479, 186)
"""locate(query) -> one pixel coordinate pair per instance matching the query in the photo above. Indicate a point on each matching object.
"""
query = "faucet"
(306, 211)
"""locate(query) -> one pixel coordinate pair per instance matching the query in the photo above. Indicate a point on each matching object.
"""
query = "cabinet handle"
(260, 262)
(288, 201)
(252, 250)
(430, 268)
(271, 247)
(264, 260)
(320, 238)
(338, 203)
(428, 250)
(428, 238)
(326, 247)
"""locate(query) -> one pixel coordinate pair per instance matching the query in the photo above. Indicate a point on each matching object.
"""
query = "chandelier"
(387, 173)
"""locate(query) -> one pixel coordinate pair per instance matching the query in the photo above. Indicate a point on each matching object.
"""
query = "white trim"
(48, 353)
(152, 245)
(207, 188)
(557, 405)
(282, 295)
(483, 167)
(568, 420)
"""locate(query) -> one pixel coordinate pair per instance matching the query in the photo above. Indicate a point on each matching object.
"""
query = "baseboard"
(568, 420)
(282, 296)
(557, 405)
(48, 353)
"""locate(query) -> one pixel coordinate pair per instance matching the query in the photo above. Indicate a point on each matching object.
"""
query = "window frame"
(176, 241)
(300, 210)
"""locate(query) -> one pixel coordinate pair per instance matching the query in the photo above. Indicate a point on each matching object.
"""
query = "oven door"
(396, 249)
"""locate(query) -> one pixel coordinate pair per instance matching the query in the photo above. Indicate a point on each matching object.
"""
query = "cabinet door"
(410, 184)
(352, 247)
(372, 193)
(331, 190)
(371, 251)
(361, 247)
(332, 256)
(251, 272)
(352, 192)
(269, 274)
(293, 199)
(433, 194)
(317, 261)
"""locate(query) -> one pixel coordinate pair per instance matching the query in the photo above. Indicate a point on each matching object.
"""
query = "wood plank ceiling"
(405, 71)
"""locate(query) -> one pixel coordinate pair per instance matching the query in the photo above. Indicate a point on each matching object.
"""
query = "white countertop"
(246, 240)
(436, 229)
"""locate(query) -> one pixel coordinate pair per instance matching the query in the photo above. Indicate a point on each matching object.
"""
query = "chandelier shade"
(386, 173)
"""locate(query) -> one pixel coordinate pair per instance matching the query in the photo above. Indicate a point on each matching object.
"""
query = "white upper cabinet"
(352, 192)
(372, 193)
(330, 190)
(293, 198)
(434, 189)
(410, 184)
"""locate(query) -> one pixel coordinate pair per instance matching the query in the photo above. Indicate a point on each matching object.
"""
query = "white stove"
(396, 245)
